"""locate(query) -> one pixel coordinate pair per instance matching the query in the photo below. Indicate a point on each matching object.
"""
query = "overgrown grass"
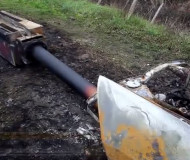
(148, 41)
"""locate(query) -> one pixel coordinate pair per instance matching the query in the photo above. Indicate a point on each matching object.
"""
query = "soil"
(40, 114)
(172, 85)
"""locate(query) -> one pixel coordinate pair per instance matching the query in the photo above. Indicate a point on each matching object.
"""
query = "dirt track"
(40, 114)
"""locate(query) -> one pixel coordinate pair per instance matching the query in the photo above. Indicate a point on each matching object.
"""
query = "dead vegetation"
(173, 13)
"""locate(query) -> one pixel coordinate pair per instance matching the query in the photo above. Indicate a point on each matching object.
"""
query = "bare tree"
(126, 4)
(132, 8)
(99, 1)
(157, 12)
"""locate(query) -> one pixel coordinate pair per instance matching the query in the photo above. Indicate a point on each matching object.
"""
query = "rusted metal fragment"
(135, 128)
(19, 23)
(16, 34)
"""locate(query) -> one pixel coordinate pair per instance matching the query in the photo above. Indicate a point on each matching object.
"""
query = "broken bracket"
(91, 109)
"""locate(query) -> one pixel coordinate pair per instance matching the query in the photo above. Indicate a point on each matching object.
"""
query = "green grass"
(136, 35)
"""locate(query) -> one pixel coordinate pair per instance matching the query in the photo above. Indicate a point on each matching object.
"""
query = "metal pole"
(63, 71)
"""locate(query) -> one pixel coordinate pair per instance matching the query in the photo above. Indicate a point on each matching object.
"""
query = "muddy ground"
(175, 87)
(40, 115)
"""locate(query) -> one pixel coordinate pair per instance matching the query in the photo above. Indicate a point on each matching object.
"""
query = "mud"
(40, 114)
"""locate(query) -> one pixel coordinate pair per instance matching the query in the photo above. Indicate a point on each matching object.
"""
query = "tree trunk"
(157, 12)
(132, 8)
(99, 1)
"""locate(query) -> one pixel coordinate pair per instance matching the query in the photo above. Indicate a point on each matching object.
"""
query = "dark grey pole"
(63, 71)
